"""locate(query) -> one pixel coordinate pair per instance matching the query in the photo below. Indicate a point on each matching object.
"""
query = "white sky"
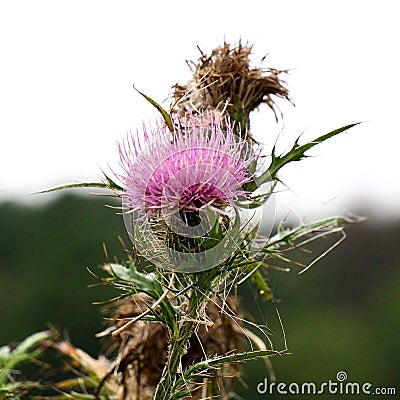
(67, 69)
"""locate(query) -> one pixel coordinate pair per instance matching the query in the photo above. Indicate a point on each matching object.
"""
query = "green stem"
(178, 347)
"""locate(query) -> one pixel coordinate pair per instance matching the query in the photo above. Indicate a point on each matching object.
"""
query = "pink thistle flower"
(201, 163)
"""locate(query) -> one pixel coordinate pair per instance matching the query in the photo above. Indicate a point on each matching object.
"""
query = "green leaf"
(4, 353)
(164, 113)
(107, 184)
(76, 185)
(111, 184)
(25, 351)
(256, 200)
(204, 366)
(296, 153)
(289, 239)
(290, 236)
(31, 341)
(149, 283)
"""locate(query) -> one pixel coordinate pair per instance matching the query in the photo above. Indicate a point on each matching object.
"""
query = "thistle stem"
(178, 347)
(179, 343)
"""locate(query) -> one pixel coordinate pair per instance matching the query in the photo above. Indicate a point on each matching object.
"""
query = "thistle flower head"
(183, 191)
(201, 163)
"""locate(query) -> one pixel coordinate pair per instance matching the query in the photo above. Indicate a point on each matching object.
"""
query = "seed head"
(225, 80)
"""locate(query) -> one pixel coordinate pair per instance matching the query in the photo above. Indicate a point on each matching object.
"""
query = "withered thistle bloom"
(225, 80)
(142, 350)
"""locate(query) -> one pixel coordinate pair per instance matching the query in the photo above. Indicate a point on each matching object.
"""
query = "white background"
(66, 97)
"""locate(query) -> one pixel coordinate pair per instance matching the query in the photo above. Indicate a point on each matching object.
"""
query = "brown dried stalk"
(141, 350)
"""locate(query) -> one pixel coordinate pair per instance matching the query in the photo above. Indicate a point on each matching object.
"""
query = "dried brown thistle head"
(225, 81)
(141, 350)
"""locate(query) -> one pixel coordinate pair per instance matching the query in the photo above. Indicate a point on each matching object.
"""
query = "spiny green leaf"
(4, 353)
(31, 341)
(288, 239)
(149, 283)
(107, 184)
(204, 366)
(164, 113)
(255, 201)
(23, 352)
(76, 185)
(289, 236)
(296, 153)
(111, 184)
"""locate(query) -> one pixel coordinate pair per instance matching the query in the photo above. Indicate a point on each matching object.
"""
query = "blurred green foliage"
(342, 315)
(44, 255)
